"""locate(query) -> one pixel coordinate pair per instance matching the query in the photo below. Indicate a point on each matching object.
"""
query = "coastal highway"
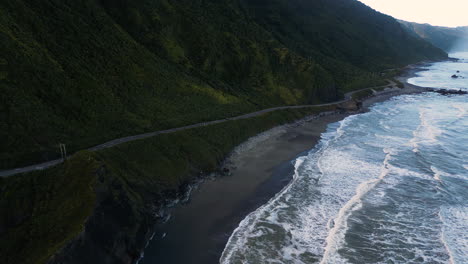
(118, 141)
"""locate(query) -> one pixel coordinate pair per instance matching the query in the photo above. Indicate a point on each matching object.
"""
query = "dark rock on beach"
(449, 92)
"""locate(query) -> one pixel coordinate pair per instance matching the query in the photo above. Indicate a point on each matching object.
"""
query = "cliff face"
(81, 73)
(116, 231)
(448, 39)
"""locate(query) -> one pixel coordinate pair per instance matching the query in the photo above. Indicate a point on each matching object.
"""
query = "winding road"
(118, 141)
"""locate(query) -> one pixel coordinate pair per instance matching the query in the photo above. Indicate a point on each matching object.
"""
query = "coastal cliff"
(114, 69)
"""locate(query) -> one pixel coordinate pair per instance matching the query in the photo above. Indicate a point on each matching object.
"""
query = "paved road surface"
(109, 144)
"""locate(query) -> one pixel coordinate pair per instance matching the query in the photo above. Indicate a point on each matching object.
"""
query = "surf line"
(335, 237)
(425, 133)
(239, 237)
(444, 239)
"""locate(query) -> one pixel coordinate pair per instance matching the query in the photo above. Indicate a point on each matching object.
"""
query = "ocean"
(386, 186)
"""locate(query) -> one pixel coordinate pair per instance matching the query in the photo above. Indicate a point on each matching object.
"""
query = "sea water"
(386, 186)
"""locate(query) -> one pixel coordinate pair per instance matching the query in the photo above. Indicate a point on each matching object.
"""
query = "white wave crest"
(426, 133)
(461, 110)
(437, 173)
(454, 234)
(336, 235)
(246, 228)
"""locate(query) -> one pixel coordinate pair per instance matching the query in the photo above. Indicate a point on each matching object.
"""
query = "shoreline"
(259, 168)
(345, 103)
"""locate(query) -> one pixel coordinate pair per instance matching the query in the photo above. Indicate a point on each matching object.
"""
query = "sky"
(448, 13)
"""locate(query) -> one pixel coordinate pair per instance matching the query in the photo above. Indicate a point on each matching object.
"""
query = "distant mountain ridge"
(446, 38)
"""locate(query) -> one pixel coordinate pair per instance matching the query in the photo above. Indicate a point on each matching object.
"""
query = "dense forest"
(83, 72)
(448, 39)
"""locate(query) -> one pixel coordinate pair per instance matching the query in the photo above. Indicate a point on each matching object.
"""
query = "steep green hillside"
(448, 39)
(83, 72)
(42, 211)
(106, 201)
(345, 30)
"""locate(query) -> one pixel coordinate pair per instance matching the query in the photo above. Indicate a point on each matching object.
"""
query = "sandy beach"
(259, 168)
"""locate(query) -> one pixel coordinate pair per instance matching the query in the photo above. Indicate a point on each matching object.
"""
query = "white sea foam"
(437, 173)
(348, 182)
(443, 238)
(461, 110)
(340, 131)
(391, 138)
(406, 172)
(312, 218)
(426, 133)
(455, 232)
(335, 238)
(246, 228)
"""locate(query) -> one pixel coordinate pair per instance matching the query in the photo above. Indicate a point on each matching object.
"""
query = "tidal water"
(386, 186)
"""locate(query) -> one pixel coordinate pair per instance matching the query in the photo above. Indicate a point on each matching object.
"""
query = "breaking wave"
(387, 186)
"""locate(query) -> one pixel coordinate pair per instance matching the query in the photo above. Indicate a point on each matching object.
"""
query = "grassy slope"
(88, 81)
(83, 72)
(40, 212)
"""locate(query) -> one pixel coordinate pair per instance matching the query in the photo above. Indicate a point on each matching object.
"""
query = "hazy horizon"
(447, 13)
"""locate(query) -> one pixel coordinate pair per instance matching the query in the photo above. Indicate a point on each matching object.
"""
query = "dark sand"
(198, 230)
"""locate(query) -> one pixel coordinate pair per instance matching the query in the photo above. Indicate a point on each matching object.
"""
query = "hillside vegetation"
(448, 39)
(84, 72)
(106, 201)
